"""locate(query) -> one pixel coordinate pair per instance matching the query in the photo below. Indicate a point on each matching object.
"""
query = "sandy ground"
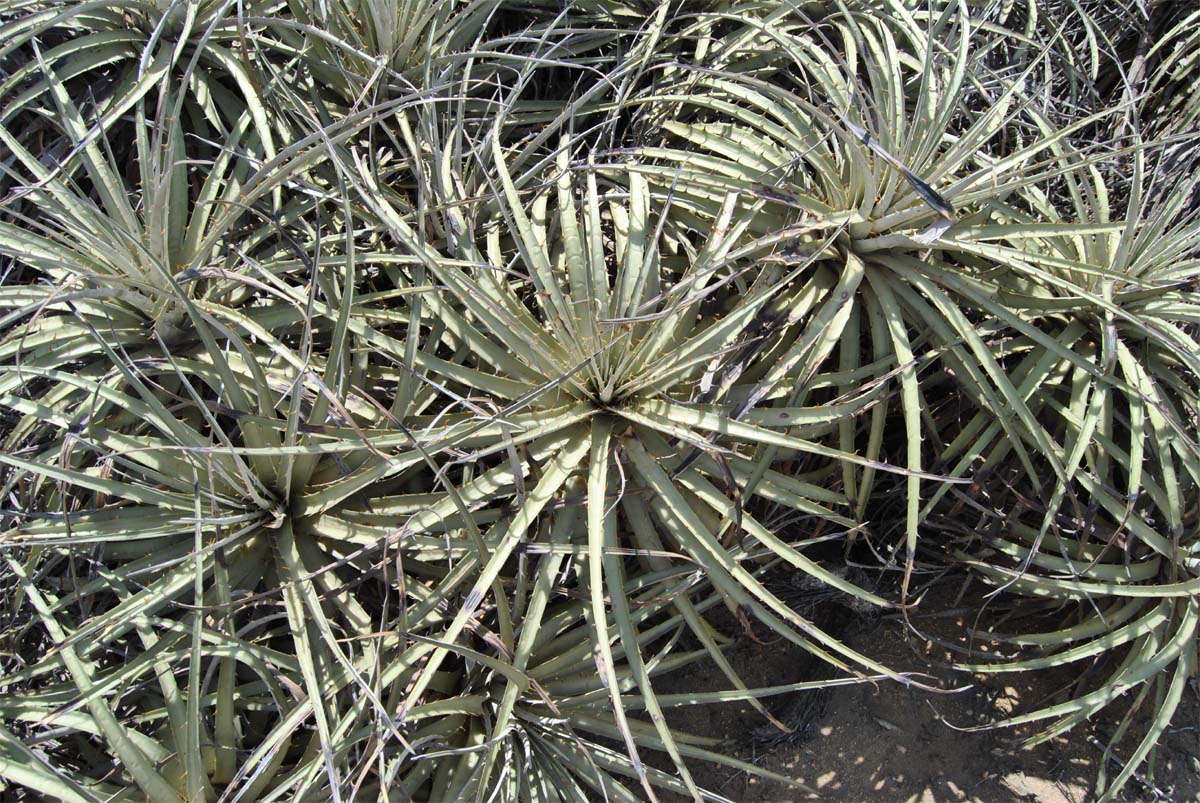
(883, 742)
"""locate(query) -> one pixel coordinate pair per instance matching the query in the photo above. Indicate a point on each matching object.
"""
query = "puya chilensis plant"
(1034, 222)
(408, 457)
(857, 147)
(1112, 369)
(600, 338)
(179, 362)
(230, 494)
(157, 461)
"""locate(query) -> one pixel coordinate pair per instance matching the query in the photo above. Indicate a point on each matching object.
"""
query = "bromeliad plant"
(226, 461)
(651, 361)
(831, 127)
(1036, 260)
(395, 395)
(1116, 390)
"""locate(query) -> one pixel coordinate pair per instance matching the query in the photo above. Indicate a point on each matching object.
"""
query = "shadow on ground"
(884, 742)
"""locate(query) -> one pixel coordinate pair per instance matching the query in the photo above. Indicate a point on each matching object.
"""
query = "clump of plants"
(396, 395)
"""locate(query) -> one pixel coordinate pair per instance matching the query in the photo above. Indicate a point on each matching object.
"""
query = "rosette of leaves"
(1035, 231)
(1110, 367)
(605, 342)
(238, 532)
(118, 252)
(204, 643)
(828, 124)
(150, 464)
(168, 369)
